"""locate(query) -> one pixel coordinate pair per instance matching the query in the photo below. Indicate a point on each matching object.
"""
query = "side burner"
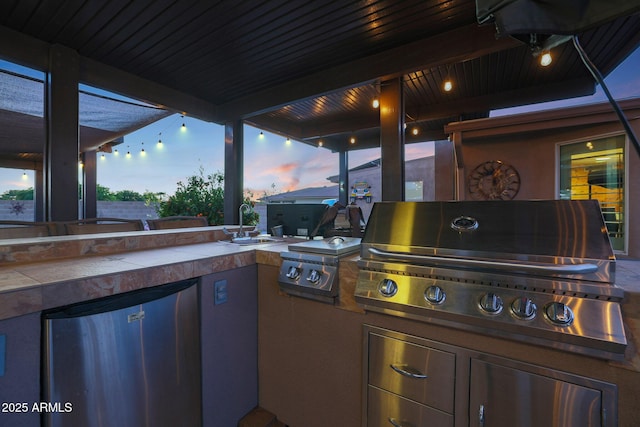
(310, 269)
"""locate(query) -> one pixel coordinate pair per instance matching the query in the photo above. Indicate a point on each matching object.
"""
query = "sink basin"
(255, 240)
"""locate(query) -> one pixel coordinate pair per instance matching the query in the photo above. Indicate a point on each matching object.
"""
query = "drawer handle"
(408, 371)
(395, 423)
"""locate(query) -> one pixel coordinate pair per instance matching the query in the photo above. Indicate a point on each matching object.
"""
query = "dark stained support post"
(233, 170)
(38, 194)
(392, 139)
(343, 180)
(89, 184)
(62, 143)
(445, 170)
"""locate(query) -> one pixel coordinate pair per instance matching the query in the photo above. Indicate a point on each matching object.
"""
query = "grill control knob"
(293, 273)
(388, 287)
(559, 313)
(314, 276)
(434, 294)
(523, 308)
(491, 303)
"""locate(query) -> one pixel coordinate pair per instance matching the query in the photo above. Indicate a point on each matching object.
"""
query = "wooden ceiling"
(310, 69)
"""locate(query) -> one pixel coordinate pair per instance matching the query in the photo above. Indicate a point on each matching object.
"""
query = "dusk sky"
(271, 164)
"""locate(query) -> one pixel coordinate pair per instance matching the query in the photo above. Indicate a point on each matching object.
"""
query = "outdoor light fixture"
(102, 157)
(352, 140)
(415, 131)
(261, 135)
(142, 152)
(160, 139)
(288, 141)
(320, 143)
(448, 84)
(184, 126)
(115, 152)
(545, 59)
(375, 103)
(24, 175)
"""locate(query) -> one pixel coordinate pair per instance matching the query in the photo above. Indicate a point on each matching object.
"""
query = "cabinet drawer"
(419, 373)
(386, 410)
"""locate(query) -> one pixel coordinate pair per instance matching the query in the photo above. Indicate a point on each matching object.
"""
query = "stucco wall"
(530, 142)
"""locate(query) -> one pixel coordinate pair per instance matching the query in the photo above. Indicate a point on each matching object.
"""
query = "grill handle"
(495, 265)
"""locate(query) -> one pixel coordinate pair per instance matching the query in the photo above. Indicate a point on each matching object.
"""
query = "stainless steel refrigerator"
(132, 359)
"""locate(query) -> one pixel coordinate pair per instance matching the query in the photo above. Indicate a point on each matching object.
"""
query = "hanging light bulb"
(102, 157)
(160, 139)
(261, 136)
(288, 141)
(24, 175)
(545, 59)
(352, 140)
(375, 103)
(142, 152)
(320, 143)
(447, 85)
(184, 126)
(415, 131)
(115, 152)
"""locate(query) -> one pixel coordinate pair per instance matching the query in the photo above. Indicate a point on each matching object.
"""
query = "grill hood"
(559, 233)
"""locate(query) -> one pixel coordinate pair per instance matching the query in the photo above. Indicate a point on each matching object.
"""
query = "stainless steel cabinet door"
(506, 397)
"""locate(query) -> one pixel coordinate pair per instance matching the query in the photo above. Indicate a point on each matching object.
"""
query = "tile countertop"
(42, 273)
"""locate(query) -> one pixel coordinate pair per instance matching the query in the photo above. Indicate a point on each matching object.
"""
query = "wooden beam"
(126, 84)
(452, 109)
(457, 45)
(23, 50)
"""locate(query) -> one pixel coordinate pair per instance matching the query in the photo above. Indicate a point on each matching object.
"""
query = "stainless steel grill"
(536, 271)
(310, 269)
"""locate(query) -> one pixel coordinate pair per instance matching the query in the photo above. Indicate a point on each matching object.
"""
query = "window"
(595, 170)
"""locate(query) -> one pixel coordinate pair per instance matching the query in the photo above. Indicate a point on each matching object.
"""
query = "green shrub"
(202, 196)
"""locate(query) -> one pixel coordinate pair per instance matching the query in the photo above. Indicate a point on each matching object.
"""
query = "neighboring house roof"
(371, 164)
(320, 193)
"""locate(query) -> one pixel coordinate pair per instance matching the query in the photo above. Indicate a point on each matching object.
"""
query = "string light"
(261, 136)
(375, 103)
(160, 139)
(24, 175)
(448, 84)
(288, 141)
(142, 152)
(352, 140)
(546, 59)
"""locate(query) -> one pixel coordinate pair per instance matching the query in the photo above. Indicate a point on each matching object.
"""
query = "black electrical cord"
(598, 77)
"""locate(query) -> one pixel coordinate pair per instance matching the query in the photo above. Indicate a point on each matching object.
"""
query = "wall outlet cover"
(220, 293)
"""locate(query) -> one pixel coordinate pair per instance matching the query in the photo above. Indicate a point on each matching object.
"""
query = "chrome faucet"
(245, 207)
